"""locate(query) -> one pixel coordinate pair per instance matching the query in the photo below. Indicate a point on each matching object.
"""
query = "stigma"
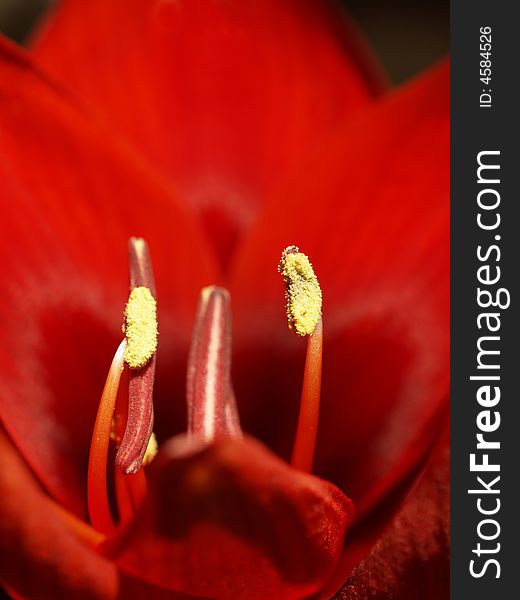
(302, 291)
(212, 410)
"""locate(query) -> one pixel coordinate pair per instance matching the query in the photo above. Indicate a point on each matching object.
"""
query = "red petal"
(72, 196)
(131, 588)
(231, 520)
(411, 559)
(372, 212)
(226, 96)
(41, 558)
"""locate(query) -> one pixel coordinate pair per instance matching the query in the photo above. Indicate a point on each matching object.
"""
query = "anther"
(302, 291)
(140, 327)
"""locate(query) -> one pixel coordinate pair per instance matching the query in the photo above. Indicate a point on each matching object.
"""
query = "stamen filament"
(304, 310)
(98, 505)
(307, 429)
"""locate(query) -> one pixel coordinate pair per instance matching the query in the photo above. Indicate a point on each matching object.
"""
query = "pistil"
(304, 315)
(212, 409)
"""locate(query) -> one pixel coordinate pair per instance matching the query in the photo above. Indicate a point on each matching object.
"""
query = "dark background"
(407, 35)
(474, 129)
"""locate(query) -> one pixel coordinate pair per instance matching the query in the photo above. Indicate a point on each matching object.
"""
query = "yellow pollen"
(140, 327)
(151, 450)
(302, 291)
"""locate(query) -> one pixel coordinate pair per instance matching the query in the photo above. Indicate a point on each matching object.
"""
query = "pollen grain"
(140, 327)
(302, 291)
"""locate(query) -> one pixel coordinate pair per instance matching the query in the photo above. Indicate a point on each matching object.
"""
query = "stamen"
(302, 291)
(211, 402)
(98, 506)
(141, 333)
(304, 306)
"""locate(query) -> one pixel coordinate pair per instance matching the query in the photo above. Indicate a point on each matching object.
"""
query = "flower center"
(125, 415)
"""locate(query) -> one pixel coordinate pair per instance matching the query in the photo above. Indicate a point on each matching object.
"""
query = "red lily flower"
(222, 132)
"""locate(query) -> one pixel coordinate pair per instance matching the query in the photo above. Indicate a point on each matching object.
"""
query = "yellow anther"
(140, 327)
(151, 450)
(302, 291)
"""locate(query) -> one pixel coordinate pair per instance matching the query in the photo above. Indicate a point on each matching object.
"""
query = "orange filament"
(305, 442)
(98, 504)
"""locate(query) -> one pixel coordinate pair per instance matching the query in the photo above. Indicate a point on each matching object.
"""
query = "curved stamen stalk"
(134, 412)
(98, 505)
(304, 304)
(211, 402)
